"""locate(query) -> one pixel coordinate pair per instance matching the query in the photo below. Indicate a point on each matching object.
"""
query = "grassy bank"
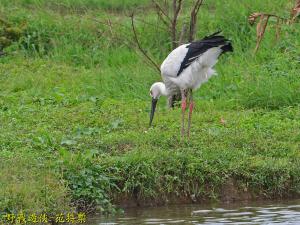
(74, 109)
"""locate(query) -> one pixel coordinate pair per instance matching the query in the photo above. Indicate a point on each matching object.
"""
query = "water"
(283, 212)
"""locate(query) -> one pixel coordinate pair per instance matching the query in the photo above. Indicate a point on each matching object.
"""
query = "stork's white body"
(197, 73)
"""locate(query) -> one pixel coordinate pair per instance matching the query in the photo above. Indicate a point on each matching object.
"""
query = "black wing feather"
(197, 48)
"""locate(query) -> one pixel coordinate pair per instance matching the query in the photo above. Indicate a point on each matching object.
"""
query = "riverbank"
(74, 113)
(242, 159)
(229, 193)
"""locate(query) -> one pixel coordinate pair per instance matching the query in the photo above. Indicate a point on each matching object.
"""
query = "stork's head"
(157, 89)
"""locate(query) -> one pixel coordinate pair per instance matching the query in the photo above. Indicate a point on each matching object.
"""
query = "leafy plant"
(88, 181)
(36, 42)
(10, 33)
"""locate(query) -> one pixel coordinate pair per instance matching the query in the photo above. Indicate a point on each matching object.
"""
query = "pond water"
(279, 212)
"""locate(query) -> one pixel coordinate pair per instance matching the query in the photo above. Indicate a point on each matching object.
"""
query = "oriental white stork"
(186, 68)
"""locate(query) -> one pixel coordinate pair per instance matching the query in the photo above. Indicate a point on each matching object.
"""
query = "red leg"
(183, 104)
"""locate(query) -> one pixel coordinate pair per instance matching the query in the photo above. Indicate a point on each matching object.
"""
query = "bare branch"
(161, 10)
(193, 20)
(147, 23)
(166, 6)
(139, 45)
(173, 28)
(122, 37)
(109, 23)
(197, 6)
(177, 8)
(160, 15)
(183, 32)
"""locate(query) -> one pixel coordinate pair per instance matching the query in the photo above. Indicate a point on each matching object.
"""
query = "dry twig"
(295, 11)
(139, 45)
(262, 25)
(264, 19)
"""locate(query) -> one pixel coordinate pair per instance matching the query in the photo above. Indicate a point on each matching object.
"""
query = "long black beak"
(153, 106)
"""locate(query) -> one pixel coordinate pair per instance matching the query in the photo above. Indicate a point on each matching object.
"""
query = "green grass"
(78, 5)
(29, 184)
(74, 109)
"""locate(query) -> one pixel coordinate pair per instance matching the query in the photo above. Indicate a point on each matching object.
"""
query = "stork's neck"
(163, 89)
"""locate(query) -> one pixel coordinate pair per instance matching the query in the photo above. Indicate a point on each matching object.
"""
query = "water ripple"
(254, 213)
